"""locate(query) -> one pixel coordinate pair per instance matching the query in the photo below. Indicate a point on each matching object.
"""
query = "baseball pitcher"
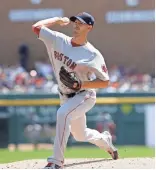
(79, 69)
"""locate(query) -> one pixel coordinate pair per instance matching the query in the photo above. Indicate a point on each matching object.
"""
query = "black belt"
(71, 94)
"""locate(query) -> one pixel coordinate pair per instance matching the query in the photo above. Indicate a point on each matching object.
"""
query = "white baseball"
(65, 21)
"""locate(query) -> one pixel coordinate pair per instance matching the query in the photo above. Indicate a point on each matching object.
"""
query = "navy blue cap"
(84, 17)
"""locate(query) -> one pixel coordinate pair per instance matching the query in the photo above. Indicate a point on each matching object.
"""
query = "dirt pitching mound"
(127, 163)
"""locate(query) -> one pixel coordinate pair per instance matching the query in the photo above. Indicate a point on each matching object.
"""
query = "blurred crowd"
(41, 79)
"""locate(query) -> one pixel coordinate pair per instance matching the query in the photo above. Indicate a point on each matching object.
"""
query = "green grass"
(76, 152)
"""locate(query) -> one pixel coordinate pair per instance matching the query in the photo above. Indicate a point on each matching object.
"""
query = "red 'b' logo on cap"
(104, 68)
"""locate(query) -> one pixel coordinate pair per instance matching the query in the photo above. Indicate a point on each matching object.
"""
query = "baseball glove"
(70, 79)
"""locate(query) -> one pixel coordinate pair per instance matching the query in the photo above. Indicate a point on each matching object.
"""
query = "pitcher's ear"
(90, 27)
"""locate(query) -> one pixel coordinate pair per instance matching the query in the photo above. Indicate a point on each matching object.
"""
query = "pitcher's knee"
(79, 137)
(63, 114)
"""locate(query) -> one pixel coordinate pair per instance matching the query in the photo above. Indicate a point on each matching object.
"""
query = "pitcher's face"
(80, 28)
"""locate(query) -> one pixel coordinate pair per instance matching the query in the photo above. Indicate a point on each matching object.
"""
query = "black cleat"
(110, 147)
(52, 166)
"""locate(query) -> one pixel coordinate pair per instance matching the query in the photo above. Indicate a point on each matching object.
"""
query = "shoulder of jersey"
(64, 38)
(62, 35)
(94, 50)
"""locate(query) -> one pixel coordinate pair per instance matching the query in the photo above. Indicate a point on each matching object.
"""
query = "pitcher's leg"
(62, 135)
(82, 133)
(102, 140)
(69, 111)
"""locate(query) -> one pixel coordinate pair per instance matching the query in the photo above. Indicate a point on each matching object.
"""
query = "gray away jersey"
(86, 61)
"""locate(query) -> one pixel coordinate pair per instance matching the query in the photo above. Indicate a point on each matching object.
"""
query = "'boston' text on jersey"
(66, 60)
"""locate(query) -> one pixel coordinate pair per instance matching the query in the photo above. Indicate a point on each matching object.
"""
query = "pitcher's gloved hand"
(70, 79)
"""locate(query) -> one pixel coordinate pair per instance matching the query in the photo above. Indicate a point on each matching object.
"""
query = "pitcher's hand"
(64, 21)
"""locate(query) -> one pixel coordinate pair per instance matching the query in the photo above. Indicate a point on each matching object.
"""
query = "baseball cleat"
(114, 155)
(110, 148)
(52, 166)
